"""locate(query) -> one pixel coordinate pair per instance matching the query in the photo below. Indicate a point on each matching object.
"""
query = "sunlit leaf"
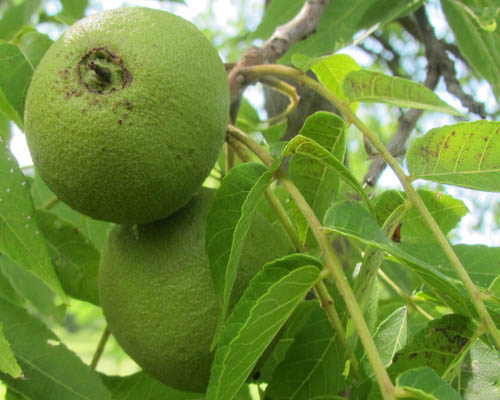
(317, 182)
(332, 70)
(369, 86)
(466, 154)
(270, 299)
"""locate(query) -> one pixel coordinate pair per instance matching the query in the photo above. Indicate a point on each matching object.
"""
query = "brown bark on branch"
(282, 39)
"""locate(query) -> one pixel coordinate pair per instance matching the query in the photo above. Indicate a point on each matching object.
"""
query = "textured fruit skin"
(157, 293)
(139, 149)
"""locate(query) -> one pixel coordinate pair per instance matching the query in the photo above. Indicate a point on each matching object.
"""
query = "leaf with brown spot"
(466, 154)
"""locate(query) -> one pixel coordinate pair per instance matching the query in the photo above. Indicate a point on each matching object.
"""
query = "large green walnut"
(158, 296)
(126, 114)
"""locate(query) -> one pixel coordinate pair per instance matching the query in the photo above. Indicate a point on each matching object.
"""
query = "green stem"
(320, 289)
(52, 202)
(335, 268)
(100, 348)
(403, 295)
(475, 295)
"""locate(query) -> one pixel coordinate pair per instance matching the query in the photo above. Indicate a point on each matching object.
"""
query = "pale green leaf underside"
(260, 313)
(368, 86)
(425, 384)
(466, 154)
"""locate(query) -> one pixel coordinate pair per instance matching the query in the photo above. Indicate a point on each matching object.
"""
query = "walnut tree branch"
(283, 38)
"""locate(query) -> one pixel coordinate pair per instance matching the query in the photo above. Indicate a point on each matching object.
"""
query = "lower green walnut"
(157, 293)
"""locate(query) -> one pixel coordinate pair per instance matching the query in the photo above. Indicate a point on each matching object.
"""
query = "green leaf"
(20, 237)
(318, 183)
(369, 86)
(386, 203)
(141, 386)
(478, 46)
(466, 154)
(332, 70)
(8, 363)
(15, 77)
(391, 335)
(424, 384)
(73, 10)
(437, 346)
(308, 147)
(314, 365)
(229, 218)
(30, 288)
(17, 16)
(341, 20)
(260, 313)
(34, 45)
(50, 370)
(350, 219)
(479, 375)
(5, 131)
(95, 231)
(446, 211)
(275, 132)
(75, 259)
(297, 321)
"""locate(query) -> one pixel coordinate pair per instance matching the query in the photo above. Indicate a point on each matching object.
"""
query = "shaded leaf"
(30, 288)
(260, 313)
(33, 45)
(50, 370)
(466, 154)
(17, 16)
(72, 10)
(478, 46)
(308, 147)
(8, 363)
(424, 384)
(391, 335)
(317, 182)
(350, 219)
(75, 259)
(369, 86)
(20, 237)
(297, 321)
(141, 386)
(5, 132)
(479, 375)
(437, 346)
(15, 77)
(228, 221)
(314, 365)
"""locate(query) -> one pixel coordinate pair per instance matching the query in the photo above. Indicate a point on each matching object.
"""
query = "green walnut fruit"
(126, 114)
(157, 293)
